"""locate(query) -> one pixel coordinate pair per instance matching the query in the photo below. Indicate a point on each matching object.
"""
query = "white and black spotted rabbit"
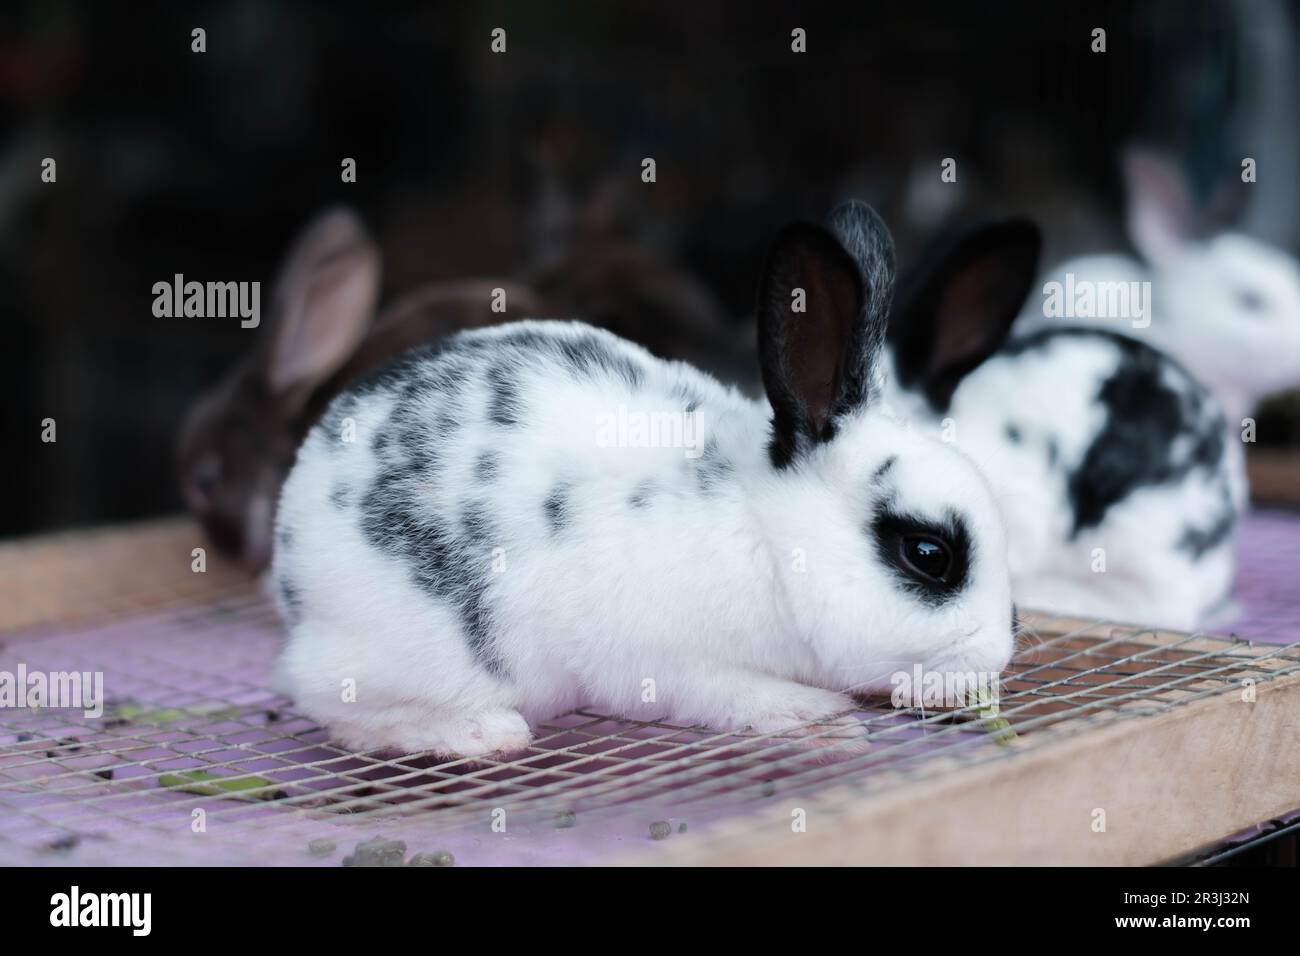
(1118, 485)
(477, 558)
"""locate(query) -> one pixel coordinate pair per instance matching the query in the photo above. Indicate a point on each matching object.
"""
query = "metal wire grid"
(65, 780)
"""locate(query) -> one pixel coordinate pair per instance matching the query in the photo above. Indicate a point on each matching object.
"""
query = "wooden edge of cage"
(1131, 792)
(1274, 476)
(111, 571)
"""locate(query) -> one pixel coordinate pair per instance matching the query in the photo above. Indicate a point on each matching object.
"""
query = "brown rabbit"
(238, 441)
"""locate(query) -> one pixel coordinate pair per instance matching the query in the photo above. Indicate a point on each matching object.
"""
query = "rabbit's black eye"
(931, 558)
(928, 557)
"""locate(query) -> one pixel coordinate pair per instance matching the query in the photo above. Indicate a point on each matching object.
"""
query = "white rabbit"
(1227, 307)
(1119, 485)
(478, 557)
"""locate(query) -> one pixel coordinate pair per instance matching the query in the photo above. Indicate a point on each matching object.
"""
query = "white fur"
(702, 594)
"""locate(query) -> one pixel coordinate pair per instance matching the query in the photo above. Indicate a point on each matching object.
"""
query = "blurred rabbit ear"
(1161, 214)
(324, 302)
(955, 310)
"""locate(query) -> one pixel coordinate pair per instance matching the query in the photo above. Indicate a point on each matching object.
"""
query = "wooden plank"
(1274, 476)
(109, 572)
(1167, 783)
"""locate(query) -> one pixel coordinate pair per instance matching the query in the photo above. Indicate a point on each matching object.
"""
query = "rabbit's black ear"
(956, 309)
(819, 326)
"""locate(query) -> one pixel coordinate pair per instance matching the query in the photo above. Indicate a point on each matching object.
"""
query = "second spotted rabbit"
(1113, 465)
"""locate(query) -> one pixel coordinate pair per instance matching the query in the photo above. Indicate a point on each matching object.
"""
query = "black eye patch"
(930, 558)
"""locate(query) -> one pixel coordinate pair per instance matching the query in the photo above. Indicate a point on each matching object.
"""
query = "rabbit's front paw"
(491, 731)
(815, 719)
(794, 705)
(487, 732)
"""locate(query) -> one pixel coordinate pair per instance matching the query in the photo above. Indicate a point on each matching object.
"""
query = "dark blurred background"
(207, 164)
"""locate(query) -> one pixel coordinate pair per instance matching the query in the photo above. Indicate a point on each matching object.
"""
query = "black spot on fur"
(476, 618)
(641, 496)
(446, 561)
(1199, 541)
(1154, 433)
(383, 512)
(485, 467)
(449, 560)
(892, 529)
(582, 353)
(341, 496)
(291, 596)
(445, 424)
(688, 395)
(587, 353)
(1053, 452)
(884, 468)
(505, 406)
(712, 468)
(478, 535)
(475, 523)
(284, 537)
(556, 507)
(411, 449)
(1013, 433)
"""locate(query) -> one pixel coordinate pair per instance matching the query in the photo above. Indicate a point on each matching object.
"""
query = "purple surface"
(207, 667)
(212, 662)
(1268, 578)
